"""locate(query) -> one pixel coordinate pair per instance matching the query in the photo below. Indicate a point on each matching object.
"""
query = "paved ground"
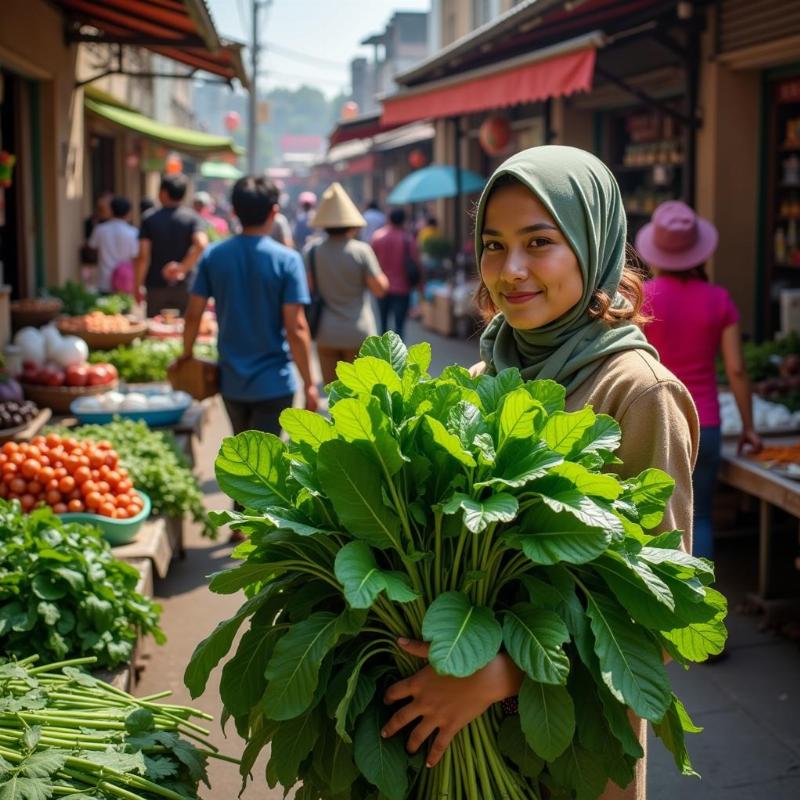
(749, 703)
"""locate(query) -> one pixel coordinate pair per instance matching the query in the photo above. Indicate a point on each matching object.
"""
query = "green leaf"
(603, 438)
(367, 372)
(466, 421)
(208, 653)
(350, 480)
(646, 597)
(685, 564)
(359, 691)
(420, 355)
(230, 581)
(650, 492)
(46, 588)
(511, 743)
(548, 538)
(606, 487)
(125, 763)
(390, 348)
(564, 429)
(251, 469)
(48, 612)
(671, 729)
(464, 638)
(534, 638)
(581, 770)
(518, 415)
(561, 493)
(307, 427)
(357, 421)
(18, 788)
(44, 763)
(293, 669)
(139, 721)
(356, 569)
(550, 394)
(492, 388)
(291, 744)
(547, 715)
(383, 762)
(520, 462)
(699, 640)
(630, 662)
(242, 682)
(449, 442)
(478, 515)
(332, 764)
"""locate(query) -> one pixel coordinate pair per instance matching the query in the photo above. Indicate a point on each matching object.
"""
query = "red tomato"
(103, 487)
(107, 510)
(27, 501)
(94, 499)
(124, 486)
(123, 513)
(75, 506)
(113, 479)
(60, 508)
(35, 488)
(18, 486)
(53, 497)
(53, 439)
(99, 375)
(18, 459)
(30, 468)
(46, 474)
(122, 501)
(77, 375)
(82, 474)
(10, 447)
(66, 484)
(97, 458)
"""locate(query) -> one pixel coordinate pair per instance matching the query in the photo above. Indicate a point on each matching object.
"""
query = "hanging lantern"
(417, 158)
(494, 134)
(349, 110)
(174, 165)
(232, 121)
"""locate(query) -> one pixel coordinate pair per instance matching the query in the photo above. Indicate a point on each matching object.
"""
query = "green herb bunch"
(156, 466)
(64, 595)
(78, 300)
(478, 515)
(64, 733)
(146, 360)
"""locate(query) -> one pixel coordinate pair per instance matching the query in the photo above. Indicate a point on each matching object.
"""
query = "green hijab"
(584, 199)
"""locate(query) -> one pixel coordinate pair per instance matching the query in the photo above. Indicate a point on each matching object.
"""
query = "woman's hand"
(750, 441)
(444, 703)
(477, 369)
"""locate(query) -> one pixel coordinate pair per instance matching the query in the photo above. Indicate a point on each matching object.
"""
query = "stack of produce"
(64, 595)
(155, 465)
(474, 514)
(78, 300)
(50, 359)
(65, 734)
(96, 322)
(146, 360)
(69, 476)
(14, 413)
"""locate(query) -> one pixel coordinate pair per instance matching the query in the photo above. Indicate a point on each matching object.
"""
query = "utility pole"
(252, 122)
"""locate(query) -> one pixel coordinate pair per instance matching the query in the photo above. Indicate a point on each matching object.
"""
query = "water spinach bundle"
(475, 514)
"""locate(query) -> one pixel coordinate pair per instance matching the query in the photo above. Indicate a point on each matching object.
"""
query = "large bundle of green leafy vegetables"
(64, 595)
(146, 360)
(473, 513)
(156, 466)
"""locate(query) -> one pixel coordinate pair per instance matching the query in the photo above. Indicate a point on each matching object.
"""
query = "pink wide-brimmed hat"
(676, 238)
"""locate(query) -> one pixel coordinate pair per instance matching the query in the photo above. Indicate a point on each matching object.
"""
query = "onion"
(52, 339)
(71, 352)
(32, 344)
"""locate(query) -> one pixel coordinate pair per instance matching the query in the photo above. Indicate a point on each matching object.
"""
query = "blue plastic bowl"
(115, 531)
(154, 418)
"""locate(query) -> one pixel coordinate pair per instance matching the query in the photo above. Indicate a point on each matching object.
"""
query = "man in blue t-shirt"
(260, 290)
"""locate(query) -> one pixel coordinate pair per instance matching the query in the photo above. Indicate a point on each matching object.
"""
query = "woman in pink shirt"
(691, 320)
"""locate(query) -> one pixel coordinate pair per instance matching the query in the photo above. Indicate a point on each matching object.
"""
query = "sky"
(314, 40)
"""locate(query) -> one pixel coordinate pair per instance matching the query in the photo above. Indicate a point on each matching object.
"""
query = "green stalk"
(456, 561)
(437, 561)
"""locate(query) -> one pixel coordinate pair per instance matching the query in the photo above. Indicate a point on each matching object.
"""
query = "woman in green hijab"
(550, 240)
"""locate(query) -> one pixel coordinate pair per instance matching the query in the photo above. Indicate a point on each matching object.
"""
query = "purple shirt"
(688, 319)
(393, 245)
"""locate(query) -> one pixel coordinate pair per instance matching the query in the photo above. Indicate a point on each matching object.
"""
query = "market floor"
(749, 703)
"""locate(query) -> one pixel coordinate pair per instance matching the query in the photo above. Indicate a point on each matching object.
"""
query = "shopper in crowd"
(399, 259)
(216, 227)
(171, 240)
(564, 304)
(691, 321)
(260, 291)
(146, 205)
(375, 219)
(302, 225)
(343, 271)
(101, 214)
(281, 230)
(429, 230)
(116, 242)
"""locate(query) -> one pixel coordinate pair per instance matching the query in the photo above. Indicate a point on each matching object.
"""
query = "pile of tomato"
(68, 476)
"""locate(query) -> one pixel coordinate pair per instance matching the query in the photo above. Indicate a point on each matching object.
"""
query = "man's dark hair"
(253, 199)
(120, 207)
(145, 204)
(397, 216)
(175, 186)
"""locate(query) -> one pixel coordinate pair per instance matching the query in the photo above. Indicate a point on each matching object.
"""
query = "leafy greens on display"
(478, 515)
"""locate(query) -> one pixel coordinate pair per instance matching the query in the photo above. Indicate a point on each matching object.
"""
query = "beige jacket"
(659, 429)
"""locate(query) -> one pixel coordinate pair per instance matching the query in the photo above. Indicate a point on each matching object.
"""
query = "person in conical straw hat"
(342, 271)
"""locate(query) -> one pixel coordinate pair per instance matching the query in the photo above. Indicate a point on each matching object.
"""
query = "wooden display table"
(778, 584)
(151, 543)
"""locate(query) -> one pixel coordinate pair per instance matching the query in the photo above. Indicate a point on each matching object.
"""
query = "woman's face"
(528, 267)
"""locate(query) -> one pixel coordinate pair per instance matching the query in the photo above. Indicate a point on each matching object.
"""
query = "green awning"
(220, 171)
(184, 140)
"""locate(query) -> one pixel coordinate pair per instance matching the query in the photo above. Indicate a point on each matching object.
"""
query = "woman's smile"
(518, 298)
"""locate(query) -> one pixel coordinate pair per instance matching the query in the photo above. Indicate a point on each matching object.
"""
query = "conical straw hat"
(337, 210)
